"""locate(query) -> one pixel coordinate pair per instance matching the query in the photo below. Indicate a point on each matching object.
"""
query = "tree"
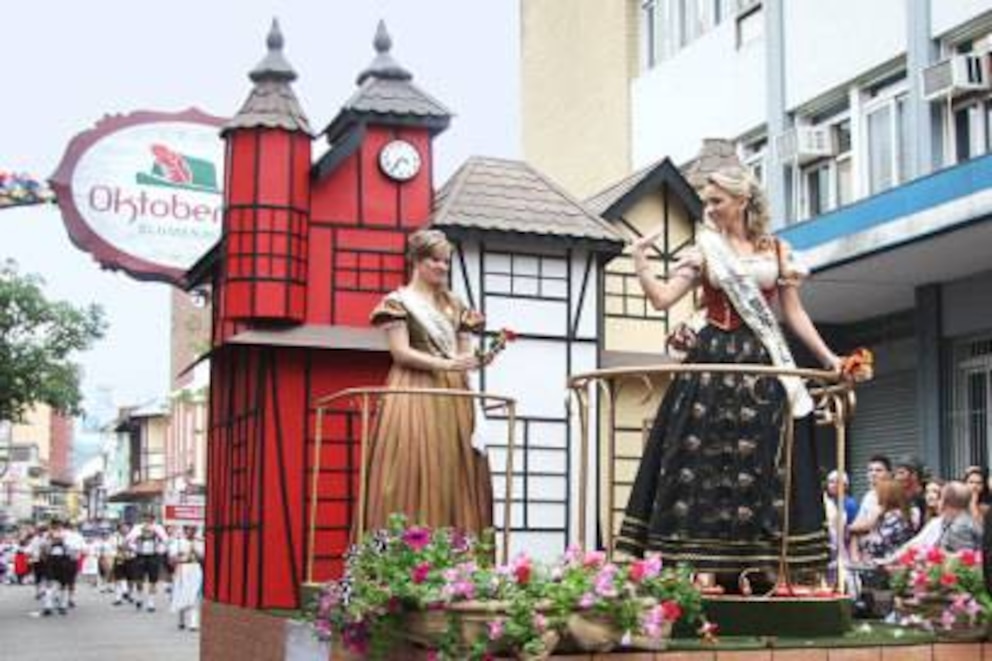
(38, 338)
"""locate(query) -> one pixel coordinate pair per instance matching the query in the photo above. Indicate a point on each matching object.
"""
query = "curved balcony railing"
(364, 398)
(834, 404)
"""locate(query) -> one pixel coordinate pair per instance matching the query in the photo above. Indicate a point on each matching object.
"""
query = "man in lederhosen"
(122, 572)
(148, 539)
(60, 555)
(34, 547)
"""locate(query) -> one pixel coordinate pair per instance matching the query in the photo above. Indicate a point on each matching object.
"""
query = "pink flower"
(496, 629)
(907, 557)
(947, 619)
(594, 559)
(642, 569)
(603, 584)
(935, 555)
(920, 579)
(970, 558)
(652, 622)
(522, 569)
(540, 622)
(420, 572)
(948, 580)
(573, 555)
(432, 655)
(588, 600)
(417, 537)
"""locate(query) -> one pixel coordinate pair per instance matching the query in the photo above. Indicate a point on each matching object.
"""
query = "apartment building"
(870, 125)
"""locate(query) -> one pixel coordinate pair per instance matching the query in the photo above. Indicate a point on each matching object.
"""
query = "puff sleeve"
(388, 312)
(793, 269)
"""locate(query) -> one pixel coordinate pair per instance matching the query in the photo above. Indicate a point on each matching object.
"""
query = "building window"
(526, 276)
(970, 419)
(971, 134)
(750, 22)
(886, 140)
(670, 25)
(753, 157)
(827, 183)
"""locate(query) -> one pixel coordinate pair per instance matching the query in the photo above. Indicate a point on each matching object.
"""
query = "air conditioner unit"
(804, 144)
(957, 74)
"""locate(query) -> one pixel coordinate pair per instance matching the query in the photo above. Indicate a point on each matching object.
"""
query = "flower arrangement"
(440, 589)
(497, 342)
(859, 365)
(936, 590)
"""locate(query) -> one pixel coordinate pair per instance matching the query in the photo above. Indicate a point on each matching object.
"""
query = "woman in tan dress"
(422, 460)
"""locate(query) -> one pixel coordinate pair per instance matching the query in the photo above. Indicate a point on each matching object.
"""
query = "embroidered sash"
(443, 335)
(744, 293)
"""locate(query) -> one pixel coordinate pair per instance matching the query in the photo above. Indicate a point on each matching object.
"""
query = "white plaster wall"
(946, 15)
(584, 307)
(708, 89)
(827, 44)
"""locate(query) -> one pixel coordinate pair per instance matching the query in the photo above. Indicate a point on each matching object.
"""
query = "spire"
(271, 103)
(383, 66)
(274, 66)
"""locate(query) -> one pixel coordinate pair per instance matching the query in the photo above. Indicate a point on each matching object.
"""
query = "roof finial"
(382, 42)
(274, 65)
(383, 67)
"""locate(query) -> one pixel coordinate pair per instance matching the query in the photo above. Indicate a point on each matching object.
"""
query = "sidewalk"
(93, 631)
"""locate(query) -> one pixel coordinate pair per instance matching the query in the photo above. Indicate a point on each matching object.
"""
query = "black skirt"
(711, 484)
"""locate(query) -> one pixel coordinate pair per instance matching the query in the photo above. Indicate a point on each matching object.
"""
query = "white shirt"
(148, 539)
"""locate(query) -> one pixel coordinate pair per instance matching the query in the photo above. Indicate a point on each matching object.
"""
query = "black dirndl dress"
(710, 487)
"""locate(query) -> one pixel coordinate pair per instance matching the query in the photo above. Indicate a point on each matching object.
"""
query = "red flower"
(671, 611)
(936, 556)
(948, 580)
(522, 573)
(970, 558)
(508, 335)
(420, 572)
(908, 557)
(417, 537)
(636, 572)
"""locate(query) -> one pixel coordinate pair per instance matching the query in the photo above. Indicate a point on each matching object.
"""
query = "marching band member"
(148, 540)
(123, 565)
(186, 554)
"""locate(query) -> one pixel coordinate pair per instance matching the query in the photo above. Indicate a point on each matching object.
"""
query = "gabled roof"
(387, 95)
(497, 195)
(613, 202)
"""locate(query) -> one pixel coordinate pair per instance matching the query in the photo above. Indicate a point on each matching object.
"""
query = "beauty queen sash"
(443, 335)
(745, 295)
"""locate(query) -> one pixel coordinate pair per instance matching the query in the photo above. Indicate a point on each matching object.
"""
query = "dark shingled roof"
(271, 103)
(614, 201)
(490, 194)
(386, 94)
(716, 153)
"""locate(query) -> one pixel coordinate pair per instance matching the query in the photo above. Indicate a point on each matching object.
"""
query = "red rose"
(936, 556)
(948, 580)
(671, 611)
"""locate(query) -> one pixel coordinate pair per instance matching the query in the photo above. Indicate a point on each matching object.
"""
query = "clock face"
(399, 160)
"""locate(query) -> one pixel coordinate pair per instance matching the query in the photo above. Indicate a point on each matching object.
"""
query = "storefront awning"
(139, 493)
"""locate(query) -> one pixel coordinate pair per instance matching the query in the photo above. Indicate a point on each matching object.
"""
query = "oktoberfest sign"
(142, 192)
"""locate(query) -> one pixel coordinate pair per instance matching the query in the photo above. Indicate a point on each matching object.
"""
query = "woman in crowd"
(893, 527)
(976, 479)
(710, 489)
(422, 459)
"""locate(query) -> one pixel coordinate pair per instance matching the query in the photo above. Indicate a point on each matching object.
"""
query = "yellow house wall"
(35, 430)
(577, 60)
(635, 403)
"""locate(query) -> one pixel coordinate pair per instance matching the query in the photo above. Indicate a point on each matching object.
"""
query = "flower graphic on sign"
(174, 170)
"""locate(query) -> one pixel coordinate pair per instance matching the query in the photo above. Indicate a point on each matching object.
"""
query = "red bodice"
(720, 311)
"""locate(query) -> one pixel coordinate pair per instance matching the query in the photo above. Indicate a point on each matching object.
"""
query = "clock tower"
(372, 187)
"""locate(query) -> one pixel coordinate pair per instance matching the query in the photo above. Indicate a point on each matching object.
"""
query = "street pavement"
(93, 631)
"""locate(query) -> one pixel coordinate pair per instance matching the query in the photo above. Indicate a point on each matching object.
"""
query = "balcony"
(871, 255)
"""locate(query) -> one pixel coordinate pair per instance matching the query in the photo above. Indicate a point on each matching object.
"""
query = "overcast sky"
(69, 63)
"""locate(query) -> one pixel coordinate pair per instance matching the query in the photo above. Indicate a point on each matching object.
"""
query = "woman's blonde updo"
(739, 182)
(426, 243)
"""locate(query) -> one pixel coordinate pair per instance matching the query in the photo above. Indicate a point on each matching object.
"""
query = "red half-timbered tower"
(307, 250)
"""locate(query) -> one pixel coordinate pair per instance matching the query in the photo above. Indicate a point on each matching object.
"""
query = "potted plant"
(941, 592)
